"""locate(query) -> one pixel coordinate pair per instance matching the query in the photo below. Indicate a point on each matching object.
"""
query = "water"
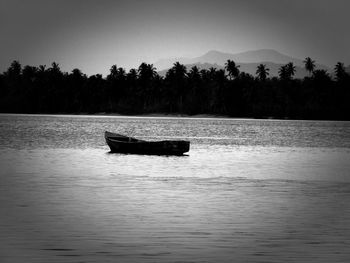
(248, 191)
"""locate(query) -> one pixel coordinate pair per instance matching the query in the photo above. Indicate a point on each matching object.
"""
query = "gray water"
(248, 191)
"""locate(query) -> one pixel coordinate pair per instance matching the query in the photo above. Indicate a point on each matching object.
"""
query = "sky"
(94, 35)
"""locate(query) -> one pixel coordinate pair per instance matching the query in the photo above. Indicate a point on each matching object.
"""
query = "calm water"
(249, 191)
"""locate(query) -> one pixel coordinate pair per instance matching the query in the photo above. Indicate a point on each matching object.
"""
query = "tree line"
(229, 92)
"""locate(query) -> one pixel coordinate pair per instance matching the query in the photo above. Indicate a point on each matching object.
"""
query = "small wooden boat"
(124, 144)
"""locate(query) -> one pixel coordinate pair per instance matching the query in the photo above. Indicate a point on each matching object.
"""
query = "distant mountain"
(167, 63)
(248, 68)
(220, 58)
(248, 61)
(268, 55)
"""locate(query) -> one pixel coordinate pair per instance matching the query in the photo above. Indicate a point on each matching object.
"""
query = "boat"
(124, 144)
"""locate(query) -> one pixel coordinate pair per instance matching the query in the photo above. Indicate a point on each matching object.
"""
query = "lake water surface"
(248, 191)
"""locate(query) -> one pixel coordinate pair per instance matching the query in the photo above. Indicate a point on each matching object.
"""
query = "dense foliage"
(183, 91)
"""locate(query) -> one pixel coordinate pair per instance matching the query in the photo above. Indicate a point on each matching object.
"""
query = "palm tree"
(132, 75)
(321, 75)
(42, 68)
(113, 72)
(77, 72)
(309, 65)
(220, 75)
(179, 70)
(194, 89)
(232, 68)
(146, 89)
(194, 73)
(177, 77)
(55, 69)
(121, 73)
(262, 72)
(147, 71)
(29, 72)
(290, 69)
(339, 70)
(220, 80)
(282, 72)
(286, 72)
(15, 69)
(212, 72)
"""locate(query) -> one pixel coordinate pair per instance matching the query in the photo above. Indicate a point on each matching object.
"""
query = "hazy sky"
(93, 35)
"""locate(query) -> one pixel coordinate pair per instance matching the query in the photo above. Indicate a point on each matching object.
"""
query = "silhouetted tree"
(147, 73)
(219, 105)
(309, 65)
(262, 72)
(283, 72)
(55, 69)
(31, 89)
(42, 68)
(286, 72)
(290, 69)
(176, 78)
(339, 70)
(116, 80)
(132, 75)
(321, 74)
(194, 73)
(232, 69)
(197, 93)
(14, 70)
(113, 72)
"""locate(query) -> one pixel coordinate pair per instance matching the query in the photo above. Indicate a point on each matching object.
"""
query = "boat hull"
(123, 144)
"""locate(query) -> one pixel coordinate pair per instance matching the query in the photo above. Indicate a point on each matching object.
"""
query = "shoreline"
(165, 115)
(146, 115)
